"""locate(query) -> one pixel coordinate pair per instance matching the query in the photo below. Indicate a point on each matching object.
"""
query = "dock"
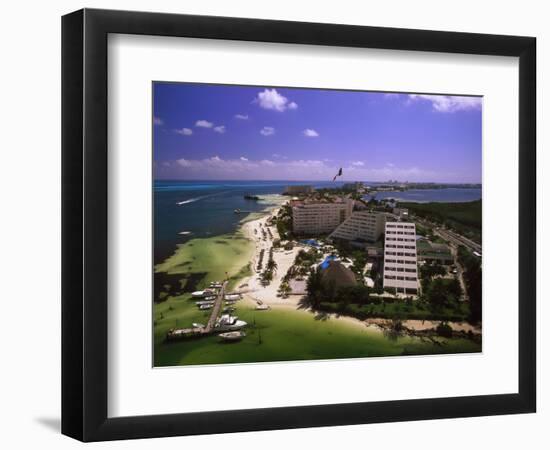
(180, 333)
(216, 309)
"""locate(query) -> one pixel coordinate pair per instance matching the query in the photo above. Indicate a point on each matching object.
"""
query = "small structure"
(431, 252)
(402, 213)
(335, 272)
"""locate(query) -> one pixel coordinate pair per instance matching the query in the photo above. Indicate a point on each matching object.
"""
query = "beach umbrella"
(339, 174)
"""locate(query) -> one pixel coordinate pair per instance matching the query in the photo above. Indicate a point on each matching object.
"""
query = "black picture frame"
(84, 224)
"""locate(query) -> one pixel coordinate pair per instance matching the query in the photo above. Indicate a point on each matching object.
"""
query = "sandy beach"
(255, 292)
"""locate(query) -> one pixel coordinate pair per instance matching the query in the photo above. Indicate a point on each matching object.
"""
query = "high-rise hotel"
(400, 264)
(319, 216)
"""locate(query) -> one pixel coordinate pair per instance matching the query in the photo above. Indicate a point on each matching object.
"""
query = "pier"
(216, 309)
(179, 333)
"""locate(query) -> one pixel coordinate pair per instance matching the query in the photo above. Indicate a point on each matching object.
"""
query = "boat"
(232, 335)
(210, 298)
(227, 322)
(204, 302)
(262, 307)
(233, 297)
(237, 211)
(205, 307)
(197, 325)
(184, 233)
(183, 333)
(205, 293)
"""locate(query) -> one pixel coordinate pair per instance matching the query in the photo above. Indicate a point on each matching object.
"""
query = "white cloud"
(184, 162)
(267, 131)
(448, 103)
(158, 121)
(310, 133)
(220, 129)
(243, 168)
(241, 116)
(271, 99)
(203, 124)
(358, 163)
(184, 131)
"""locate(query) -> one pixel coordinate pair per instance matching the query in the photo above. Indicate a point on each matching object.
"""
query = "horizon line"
(320, 181)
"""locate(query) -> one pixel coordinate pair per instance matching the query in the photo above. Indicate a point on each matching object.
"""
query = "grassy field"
(465, 217)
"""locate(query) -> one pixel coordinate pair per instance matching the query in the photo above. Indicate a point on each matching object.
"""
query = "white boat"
(197, 325)
(204, 293)
(233, 297)
(227, 322)
(210, 298)
(232, 335)
(205, 307)
(262, 307)
(204, 302)
(184, 233)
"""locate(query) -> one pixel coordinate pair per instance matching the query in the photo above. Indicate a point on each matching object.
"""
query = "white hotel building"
(400, 264)
(320, 216)
(364, 225)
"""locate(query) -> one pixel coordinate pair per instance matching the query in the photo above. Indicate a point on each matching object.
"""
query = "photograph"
(312, 224)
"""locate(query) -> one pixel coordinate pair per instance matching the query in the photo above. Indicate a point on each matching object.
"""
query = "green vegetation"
(464, 218)
(399, 309)
(440, 299)
(442, 292)
(270, 268)
(302, 263)
(444, 329)
(472, 278)
(283, 222)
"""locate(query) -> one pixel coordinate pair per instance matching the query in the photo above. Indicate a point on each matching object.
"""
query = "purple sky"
(207, 132)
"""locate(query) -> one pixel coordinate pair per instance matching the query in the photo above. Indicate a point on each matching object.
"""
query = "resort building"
(319, 216)
(299, 189)
(361, 225)
(400, 262)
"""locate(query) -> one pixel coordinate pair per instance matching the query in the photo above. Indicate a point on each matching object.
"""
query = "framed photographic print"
(274, 224)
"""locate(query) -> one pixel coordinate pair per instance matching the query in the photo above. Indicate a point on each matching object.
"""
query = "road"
(450, 236)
